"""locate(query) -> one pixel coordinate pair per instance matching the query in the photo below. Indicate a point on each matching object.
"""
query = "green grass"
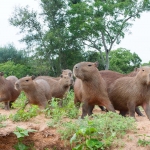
(2, 118)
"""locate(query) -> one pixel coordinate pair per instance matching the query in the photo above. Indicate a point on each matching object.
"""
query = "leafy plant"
(21, 133)
(2, 118)
(143, 141)
(96, 133)
(23, 115)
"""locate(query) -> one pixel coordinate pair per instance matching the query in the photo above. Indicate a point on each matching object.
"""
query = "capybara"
(110, 76)
(8, 93)
(59, 88)
(127, 93)
(36, 91)
(90, 88)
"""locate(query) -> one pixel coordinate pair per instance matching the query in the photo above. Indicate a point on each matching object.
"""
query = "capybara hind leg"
(84, 110)
(110, 107)
(131, 107)
(146, 108)
(137, 110)
(123, 113)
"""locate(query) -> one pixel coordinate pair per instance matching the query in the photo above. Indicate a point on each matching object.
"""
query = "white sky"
(138, 41)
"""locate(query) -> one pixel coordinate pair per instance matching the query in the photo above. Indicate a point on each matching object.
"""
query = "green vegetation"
(21, 133)
(99, 132)
(2, 118)
(144, 141)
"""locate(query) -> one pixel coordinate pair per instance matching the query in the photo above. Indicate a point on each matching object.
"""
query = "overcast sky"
(138, 41)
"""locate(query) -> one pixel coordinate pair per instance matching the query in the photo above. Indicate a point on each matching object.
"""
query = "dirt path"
(47, 138)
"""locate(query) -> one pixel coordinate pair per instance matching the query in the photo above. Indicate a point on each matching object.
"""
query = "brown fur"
(90, 88)
(59, 88)
(129, 92)
(36, 91)
(110, 76)
(8, 93)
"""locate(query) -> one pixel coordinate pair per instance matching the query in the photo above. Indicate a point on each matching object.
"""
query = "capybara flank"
(36, 91)
(90, 88)
(110, 76)
(8, 93)
(59, 88)
(127, 93)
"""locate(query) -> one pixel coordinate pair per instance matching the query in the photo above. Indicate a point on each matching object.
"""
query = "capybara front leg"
(137, 110)
(6, 106)
(131, 107)
(146, 108)
(90, 109)
(84, 110)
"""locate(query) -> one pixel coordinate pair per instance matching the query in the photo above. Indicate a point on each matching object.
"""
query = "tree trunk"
(107, 60)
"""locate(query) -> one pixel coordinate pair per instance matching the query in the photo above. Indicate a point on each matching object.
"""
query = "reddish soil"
(48, 139)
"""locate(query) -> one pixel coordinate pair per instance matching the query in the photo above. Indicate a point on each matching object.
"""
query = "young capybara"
(36, 91)
(8, 93)
(59, 88)
(90, 88)
(110, 76)
(127, 93)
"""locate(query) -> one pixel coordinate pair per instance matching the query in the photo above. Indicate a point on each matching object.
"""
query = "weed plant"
(2, 118)
(97, 132)
(144, 141)
(25, 115)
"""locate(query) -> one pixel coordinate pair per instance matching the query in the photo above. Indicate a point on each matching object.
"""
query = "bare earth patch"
(48, 139)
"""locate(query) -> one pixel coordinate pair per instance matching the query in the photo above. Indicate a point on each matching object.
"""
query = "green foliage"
(21, 133)
(10, 68)
(2, 118)
(98, 132)
(57, 113)
(123, 61)
(24, 115)
(144, 142)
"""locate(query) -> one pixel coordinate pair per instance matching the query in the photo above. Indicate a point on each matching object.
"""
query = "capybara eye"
(89, 65)
(143, 70)
(27, 80)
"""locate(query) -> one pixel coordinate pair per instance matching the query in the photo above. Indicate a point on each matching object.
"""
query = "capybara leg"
(123, 113)
(110, 107)
(90, 109)
(131, 107)
(103, 108)
(84, 110)
(137, 110)
(77, 103)
(146, 108)
(6, 106)
(60, 103)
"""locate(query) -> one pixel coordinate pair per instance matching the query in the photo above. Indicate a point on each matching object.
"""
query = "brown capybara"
(36, 91)
(127, 93)
(59, 88)
(110, 76)
(90, 88)
(8, 93)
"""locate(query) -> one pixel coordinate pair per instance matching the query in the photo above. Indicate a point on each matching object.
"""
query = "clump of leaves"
(98, 132)
(21, 133)
(2, 118)
(24, 115)
(143, 141)
(20, 102)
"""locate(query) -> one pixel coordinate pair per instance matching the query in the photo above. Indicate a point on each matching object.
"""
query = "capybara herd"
(107, 89)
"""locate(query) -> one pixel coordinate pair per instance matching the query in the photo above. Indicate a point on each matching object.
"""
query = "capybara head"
(1, 73)
(83, 70)
(67, 72)
(144, 75)
(24, 82)
(66, 80)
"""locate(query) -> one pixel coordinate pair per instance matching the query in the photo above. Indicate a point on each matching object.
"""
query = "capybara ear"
(33, 77)
(1, 73)
(96, 64)
(62, 70)
(61, 75)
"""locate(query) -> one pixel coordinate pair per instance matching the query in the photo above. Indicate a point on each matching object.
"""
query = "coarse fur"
(59, 88)
(110, 77)
(8, 93)
(127, 93)
(90, 88)
(36, 91)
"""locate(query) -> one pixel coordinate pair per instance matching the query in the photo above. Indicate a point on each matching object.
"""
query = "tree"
(123, 61)
(99, 24)
(49, 39)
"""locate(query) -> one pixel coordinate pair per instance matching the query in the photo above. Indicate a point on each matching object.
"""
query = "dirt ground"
(48, 139)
